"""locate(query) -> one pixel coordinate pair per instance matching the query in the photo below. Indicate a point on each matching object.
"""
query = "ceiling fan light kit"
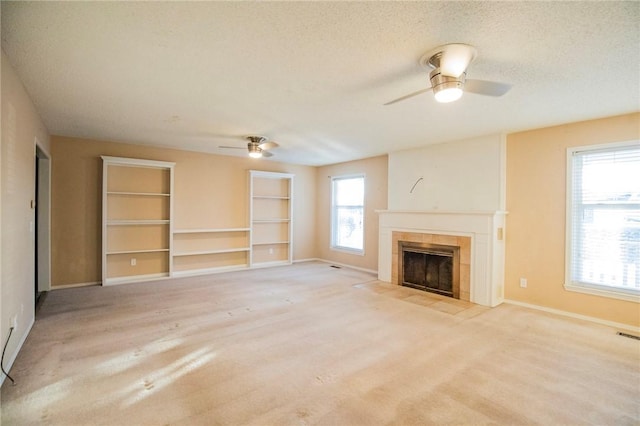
(254, 151)
(448, 75)
(254, 146)
(257, 146)
(446, 88)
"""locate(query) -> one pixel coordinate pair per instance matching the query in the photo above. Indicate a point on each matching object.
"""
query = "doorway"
(42, 227)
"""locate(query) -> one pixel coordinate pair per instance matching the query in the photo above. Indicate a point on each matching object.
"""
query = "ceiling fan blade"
(232, 147)
(268, 145)
(410, 95)
(267, 154)
(488, 88)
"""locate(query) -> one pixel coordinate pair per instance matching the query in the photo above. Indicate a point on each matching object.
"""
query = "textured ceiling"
(313, 76)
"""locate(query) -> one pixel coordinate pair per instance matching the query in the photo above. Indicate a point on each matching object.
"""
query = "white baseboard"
(208, 271)
(87, 284)
(259, 265)
(613, 324)
(311, 259)
(136, 279)
(357, 268)
(17, 351)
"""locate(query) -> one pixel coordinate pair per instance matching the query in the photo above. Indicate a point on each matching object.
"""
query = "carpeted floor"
(312, 344)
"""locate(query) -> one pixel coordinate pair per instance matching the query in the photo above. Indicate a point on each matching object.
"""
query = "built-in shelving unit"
(204, 250)
(139, 242)
(137, 207)
(271, 218)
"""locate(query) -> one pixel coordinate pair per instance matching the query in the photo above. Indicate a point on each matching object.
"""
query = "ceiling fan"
(448, 76)
(258, 146)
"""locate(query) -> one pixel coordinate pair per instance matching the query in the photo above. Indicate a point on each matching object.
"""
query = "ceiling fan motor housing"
(440, 81)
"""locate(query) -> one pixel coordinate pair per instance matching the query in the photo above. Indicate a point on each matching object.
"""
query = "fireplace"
(480, 236)
(456, 248)
(430, 267)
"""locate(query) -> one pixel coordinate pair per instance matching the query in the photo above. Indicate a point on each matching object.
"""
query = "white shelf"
(137, 222)
(271, 218)
(268, 243)
(209, 230)
(201, 252)
(271, 197)
(137, 198)
(136, 251)
(143, 194)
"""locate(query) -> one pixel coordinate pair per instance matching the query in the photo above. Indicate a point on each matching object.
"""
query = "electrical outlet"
(271, 250)
(133, 261)
(14, 322)
(523, 282)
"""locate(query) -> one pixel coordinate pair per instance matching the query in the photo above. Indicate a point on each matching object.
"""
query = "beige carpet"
(311, 344)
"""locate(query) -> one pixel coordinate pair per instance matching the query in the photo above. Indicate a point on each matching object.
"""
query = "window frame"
(569, 284)
(333, 215)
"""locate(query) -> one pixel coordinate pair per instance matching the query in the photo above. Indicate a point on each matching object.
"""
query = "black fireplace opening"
(430, 269)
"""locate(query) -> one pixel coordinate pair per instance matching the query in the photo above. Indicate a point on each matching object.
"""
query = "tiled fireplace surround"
(480, 236)
(464, 243)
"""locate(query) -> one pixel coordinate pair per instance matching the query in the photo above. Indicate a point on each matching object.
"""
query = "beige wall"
(21, 126)
(375, 170)
(536, 198)
(211, 191)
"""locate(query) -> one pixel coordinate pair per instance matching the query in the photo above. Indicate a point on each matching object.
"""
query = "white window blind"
(605, 218)
(347, 216)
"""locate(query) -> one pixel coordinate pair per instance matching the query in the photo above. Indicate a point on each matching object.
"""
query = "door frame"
(43, 218)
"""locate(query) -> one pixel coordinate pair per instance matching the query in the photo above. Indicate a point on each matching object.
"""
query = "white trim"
(614, 293)
(46, 162)
(135, 278)
(17, 351)
(206, 252)
(134, 162)
(259, 265)
(209, 230)
(448, 212)
(613, 324)
(172, 197)
(76, 285)
(569, 285)
(209, 271)
(332, 245)
(347, 250)
(608, 145)
(143, 194)
(135, 222)
(271, 175)
(309, 259)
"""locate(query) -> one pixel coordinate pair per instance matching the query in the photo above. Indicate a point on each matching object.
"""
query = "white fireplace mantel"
(485, 228)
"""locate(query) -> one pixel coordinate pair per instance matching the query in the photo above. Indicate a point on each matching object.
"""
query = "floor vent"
(630, 336)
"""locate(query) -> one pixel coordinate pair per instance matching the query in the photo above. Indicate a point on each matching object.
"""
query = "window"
(347, 213)
(603, 220)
